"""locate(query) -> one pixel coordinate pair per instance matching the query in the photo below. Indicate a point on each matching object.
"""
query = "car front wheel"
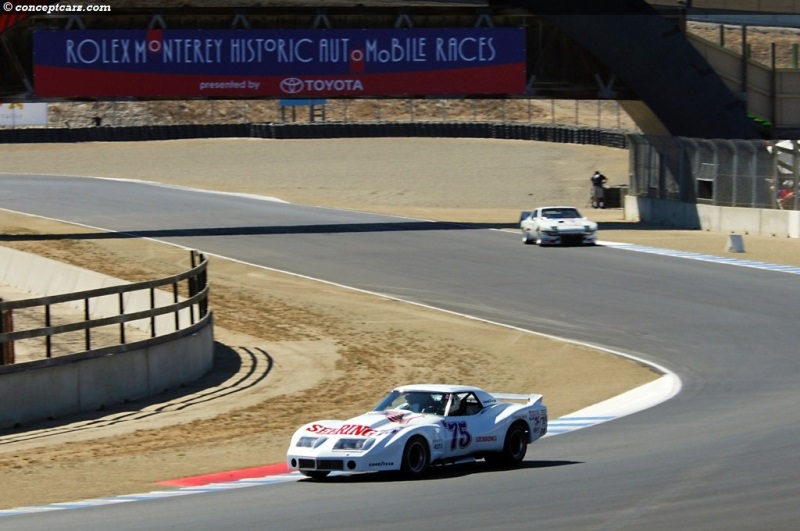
(416, 457)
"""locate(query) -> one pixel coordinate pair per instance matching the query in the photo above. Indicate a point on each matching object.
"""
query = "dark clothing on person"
(598, 189)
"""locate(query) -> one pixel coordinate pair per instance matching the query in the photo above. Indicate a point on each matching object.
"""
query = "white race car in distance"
(556, 225)
(416, 426)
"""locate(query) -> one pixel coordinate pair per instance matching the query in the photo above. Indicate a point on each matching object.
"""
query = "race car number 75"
(461, 435)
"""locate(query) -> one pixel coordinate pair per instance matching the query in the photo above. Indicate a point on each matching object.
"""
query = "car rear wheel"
(416, 457)
(514, 448)
(315, 474)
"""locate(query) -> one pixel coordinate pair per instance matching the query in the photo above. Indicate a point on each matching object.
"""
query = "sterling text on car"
(556, 225)
(416, 426)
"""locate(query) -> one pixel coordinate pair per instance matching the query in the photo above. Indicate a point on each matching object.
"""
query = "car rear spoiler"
(530, 399)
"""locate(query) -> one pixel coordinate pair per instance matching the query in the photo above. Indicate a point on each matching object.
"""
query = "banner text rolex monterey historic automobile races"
(279, 63)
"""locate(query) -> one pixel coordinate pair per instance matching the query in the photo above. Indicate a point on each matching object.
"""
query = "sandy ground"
(291, 349)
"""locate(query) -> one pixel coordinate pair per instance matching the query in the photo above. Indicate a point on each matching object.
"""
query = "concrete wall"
(762, 222)
(67, 385)
(55, 387)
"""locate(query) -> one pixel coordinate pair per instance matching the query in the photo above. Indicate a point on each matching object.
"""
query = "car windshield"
(561, 213)
(416, 401)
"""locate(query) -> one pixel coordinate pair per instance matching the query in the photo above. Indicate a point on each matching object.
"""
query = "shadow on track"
(265, 230)
(234, 370)
(439, 472)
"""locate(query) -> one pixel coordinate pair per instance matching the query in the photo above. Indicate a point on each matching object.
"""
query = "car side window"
(473, 405)
(464, 404)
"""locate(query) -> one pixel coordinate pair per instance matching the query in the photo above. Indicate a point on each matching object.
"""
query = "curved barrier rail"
(502, 131)
(171, 329)
(120, 305)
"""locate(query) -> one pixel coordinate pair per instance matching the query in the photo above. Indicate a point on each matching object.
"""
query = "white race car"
(417, 426)
(557, 225)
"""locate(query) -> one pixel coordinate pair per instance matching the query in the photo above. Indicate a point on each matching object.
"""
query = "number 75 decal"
(461, 435)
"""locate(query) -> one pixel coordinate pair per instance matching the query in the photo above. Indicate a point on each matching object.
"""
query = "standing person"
(598, 191)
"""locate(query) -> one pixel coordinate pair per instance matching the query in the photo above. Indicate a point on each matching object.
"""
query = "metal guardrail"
(196, 303)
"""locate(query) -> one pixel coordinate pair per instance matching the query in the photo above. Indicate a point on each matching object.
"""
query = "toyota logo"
(291, 85)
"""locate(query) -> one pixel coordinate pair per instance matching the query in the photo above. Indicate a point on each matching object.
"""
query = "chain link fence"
(732, 173)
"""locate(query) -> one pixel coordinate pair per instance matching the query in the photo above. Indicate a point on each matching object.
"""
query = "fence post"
(152, 307)
(175, 301)
(192, 285)
(122, 324)
(86, 317)
(7, 325)
(48, 340)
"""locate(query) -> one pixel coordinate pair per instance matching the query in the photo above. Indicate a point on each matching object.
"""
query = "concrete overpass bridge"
(634, 51)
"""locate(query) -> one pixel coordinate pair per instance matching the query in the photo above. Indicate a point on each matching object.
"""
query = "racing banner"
(279, 63)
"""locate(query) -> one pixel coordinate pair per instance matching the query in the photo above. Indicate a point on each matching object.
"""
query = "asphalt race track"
(722, 454)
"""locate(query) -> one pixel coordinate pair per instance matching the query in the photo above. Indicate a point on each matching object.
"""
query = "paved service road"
(723, 454)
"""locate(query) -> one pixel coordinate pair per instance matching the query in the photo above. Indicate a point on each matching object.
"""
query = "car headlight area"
(354, 444)
(310, 442)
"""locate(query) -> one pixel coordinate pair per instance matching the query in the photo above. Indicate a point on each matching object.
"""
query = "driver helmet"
(455, 405)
